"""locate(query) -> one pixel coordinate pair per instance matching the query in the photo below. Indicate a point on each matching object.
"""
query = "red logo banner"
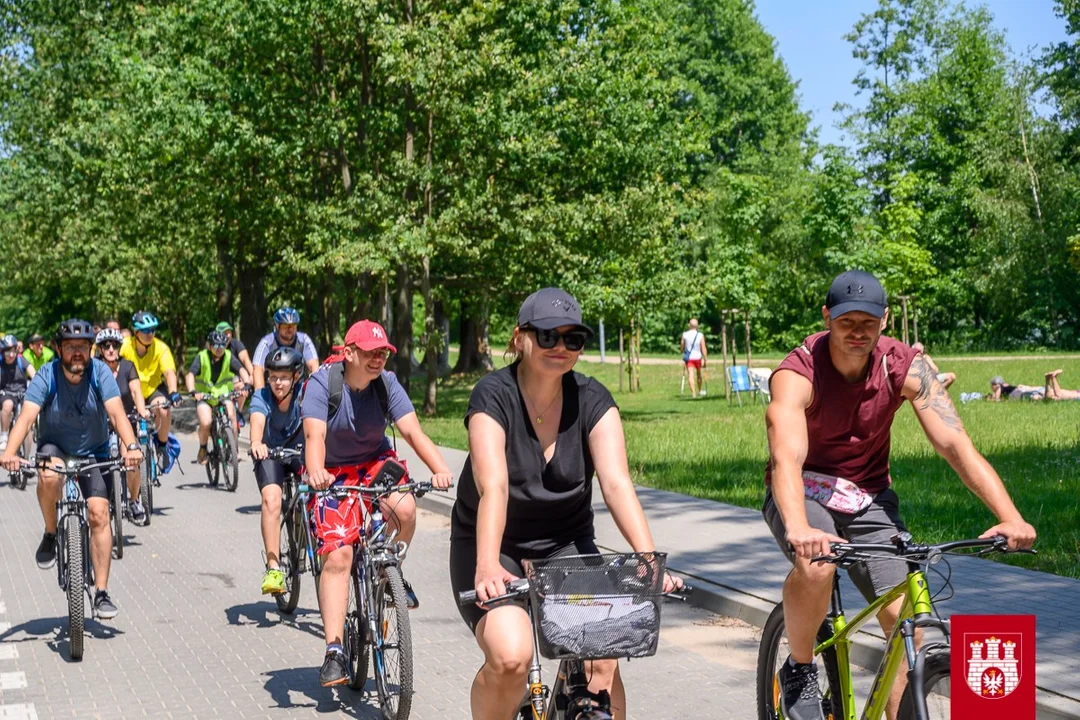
(993, 667)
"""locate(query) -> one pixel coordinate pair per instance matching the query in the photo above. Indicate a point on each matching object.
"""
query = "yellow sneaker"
(273, 582)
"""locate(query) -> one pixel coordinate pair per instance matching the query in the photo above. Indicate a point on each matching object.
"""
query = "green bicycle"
(926, 695)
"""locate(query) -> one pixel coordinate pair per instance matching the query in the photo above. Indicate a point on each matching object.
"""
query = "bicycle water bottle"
(376, 522)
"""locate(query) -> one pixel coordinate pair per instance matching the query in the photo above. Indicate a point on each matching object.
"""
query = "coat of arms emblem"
(992, 664)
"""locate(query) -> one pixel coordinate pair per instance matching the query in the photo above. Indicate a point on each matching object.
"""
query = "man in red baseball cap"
(347, 406)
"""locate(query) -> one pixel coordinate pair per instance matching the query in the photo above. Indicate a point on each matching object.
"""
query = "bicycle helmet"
(36, 337)
(285, 358)
(108, 335)
(216, 337)
(287, 316)
(8, 341)
(144, 320)
(74, 329)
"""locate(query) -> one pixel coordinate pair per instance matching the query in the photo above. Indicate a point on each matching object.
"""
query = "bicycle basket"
(594, 607)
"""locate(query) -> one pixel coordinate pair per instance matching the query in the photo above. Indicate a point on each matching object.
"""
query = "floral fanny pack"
(836, 493)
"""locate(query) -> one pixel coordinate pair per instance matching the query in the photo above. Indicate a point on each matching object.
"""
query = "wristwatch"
(133, 446)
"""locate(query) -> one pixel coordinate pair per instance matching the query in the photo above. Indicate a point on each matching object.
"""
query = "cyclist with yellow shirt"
(153, 361)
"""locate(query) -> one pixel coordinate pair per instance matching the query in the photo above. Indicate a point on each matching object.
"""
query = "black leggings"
(272, 472)
(463, 567)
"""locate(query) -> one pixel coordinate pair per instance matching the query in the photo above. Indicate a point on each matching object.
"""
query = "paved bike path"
(741, 571)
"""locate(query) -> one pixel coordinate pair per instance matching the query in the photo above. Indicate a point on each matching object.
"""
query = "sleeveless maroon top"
(848, 424)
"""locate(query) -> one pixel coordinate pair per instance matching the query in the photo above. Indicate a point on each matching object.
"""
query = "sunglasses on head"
(573, 340)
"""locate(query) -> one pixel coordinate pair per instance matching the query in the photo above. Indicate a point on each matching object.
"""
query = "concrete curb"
(866, 651)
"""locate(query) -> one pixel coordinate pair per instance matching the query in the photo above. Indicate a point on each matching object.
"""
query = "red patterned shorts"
(338, 523)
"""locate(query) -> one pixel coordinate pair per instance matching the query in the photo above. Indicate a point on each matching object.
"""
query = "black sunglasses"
(573, 340)
(110, 345)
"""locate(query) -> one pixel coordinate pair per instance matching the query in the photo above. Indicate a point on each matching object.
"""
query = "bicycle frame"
(72, 503)
(917, 611)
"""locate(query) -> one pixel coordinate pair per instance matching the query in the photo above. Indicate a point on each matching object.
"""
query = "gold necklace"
(540, 417)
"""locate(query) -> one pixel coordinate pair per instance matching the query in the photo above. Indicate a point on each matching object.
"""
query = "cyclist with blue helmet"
(153, 361)
(15, 373)
(285, 335)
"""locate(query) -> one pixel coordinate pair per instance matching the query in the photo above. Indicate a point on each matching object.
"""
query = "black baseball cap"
(550, 308)
(856, 291)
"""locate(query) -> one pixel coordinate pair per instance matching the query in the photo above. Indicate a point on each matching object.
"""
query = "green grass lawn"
(710, 449)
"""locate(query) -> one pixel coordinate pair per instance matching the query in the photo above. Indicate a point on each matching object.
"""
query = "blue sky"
(809, 36)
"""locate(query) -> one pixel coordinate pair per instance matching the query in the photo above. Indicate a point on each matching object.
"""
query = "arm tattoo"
(931, 395)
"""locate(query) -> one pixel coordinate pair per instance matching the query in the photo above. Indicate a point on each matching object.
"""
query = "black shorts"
(876, 524)
(92, 484)
(273, 472)
(161, 392)
(15, 396)
(463, 568)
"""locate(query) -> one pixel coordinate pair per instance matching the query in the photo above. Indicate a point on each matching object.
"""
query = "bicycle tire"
(213, 468)
(288, 562)
(118, 513)
(395, 699)
(74, 551)
(357, 648)
(938, 665)
(146, 488)
(231, 460)
(769, 649)
(17, 480)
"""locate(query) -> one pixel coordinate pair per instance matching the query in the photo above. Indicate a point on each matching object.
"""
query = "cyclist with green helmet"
(211, 375)
(153, 361)
(285, 334)
(15, 373)
(275, 422)
(36, 353)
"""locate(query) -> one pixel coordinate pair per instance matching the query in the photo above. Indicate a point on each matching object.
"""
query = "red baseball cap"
(368, 335)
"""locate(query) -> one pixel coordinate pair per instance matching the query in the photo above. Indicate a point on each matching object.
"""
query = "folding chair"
(739, 382)
(759, 378)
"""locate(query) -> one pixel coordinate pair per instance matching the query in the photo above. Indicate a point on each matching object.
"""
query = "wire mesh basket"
(594, 607)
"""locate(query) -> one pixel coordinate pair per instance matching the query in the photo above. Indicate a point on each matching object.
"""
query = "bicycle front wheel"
(118, 513)
(213, 461)
(230, 460)
(357, 649)
(773, 653)
(289, 564)
(393, 660)
(74, 559)
(935, 689)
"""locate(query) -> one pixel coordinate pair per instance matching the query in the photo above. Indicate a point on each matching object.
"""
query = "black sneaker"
(594, 706)
(104, 607)
(800, 695)
(333, 670)
(411, 601)
(46, 551)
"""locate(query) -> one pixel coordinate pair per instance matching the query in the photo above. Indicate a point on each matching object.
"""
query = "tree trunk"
(402, 332)
(431, 339)
(225, 291)
(475, 351)
(332, 310)
(251, 284)
(442, 321)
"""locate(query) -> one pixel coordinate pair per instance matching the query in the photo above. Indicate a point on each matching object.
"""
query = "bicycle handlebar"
(281, 453)
(902, 547)
(74, 467)
(339, 491)
(520, 588)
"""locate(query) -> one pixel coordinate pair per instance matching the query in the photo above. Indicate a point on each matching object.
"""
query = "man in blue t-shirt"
(349, 447)
(76, 397)
(275, 423)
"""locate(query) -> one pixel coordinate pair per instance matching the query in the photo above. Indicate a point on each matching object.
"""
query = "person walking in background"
(694, 355)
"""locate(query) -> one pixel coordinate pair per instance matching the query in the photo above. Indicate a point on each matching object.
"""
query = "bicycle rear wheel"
(393, 660)
(357, 649)
(230, 460)
(773, 652)
(74, 559)
(288, 563)
(936, 690)
(117, 509)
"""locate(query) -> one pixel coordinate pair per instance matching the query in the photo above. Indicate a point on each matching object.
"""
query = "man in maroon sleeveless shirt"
(833, 402)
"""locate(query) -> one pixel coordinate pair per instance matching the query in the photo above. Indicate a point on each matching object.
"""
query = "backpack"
(335, 386)
(52, 380)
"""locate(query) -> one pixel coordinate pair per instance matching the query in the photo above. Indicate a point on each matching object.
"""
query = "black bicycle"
(17, 479)
(73, 538)
(295, 551)
(144, 434)
(222, 455)
(377, 616)
(585, 607)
